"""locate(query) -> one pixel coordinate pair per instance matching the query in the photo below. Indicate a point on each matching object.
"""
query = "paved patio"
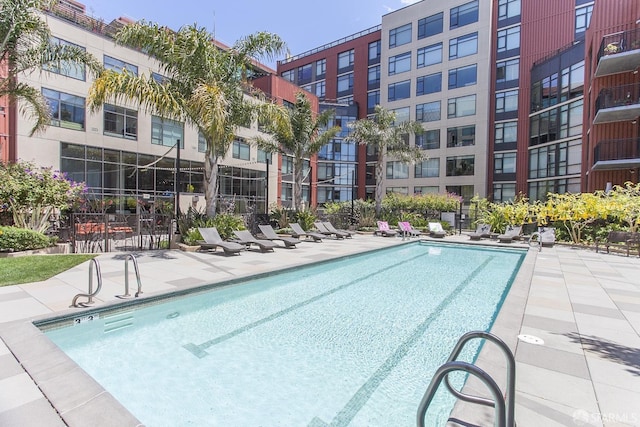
(584, 306)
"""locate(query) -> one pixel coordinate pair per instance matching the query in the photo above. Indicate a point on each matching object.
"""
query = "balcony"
(617, 154)
(619, 53)
(618, 104)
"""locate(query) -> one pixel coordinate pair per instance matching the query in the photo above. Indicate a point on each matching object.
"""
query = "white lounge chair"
(436, 230)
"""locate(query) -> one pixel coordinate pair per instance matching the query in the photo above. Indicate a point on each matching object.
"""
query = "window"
(373, 99)
(504, 163)
(373, 77)
(462, 106)
(544, 93)
(538, 190)
(506, 132)
(319, 88)
(503, 192)
(374, 51)
(571, 119)
(289, 75)
(461, 136)
(264, 157)
(460, 165)
(429, 112)
(118, 65)
(402, 114)
(166, 132)
(397, 170)
(508, 70)
(345, 59)
(463, 15)
(507, 101)
(555, 160)
(426, 189)
(287, 165)
(321, 67)
(508, 39)
(429, 55)
(572, 81)
(202, 143)
(399, 63)
(159, 78)
(463, 76)
(397, 190)
(119, 121)
(543, 127)
(67, 111)
(345, 83)
(66, 68)
(304, 74)
(463, 46)
(399, 36)
(430, 25)
(465, 191)
(241, 150)
(399, 90)
(583, 18)
(429, 168)
(428, 140)
(429, 84)
(508, 9)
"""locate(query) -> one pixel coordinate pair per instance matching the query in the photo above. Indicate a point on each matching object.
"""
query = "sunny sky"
(301, 24)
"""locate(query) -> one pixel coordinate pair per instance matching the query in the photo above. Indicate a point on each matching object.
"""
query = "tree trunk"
(379, 176)
(297, 183)
(211, 183)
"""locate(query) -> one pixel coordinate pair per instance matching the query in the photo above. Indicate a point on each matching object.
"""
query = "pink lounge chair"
(408, 230)
(384, 230)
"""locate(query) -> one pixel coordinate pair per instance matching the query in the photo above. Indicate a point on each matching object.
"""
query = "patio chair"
(407, 230)
(332, 229)
(384, 230)
(482, 231)
(322, 229)
(270, 234)
(436, 230)
(511, 233)
(246, 238)
(298, 233)
(212, 240)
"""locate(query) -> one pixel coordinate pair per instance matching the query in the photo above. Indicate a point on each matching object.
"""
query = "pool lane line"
(355, 404)
(199, 350)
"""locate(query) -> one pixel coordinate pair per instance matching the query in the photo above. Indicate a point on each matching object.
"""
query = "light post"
(176, 183)
(353, 183)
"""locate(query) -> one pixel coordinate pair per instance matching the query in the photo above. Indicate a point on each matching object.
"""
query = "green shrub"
(192, 237)
(306, 219)
(13, 239)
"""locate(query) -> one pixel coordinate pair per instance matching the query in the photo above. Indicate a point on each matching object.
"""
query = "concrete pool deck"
(585, 306)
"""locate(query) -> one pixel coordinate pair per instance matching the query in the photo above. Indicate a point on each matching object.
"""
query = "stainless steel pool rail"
(93, 263)
(126, 276)
(504, 408)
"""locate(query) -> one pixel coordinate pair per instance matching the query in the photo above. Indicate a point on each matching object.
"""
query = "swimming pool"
(352, 342)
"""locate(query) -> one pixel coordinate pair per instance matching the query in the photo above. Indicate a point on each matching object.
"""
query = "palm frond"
(34, 105)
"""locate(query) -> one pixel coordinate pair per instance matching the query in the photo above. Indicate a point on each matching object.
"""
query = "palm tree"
(203, 84)
(300, 136)
(390, 139)
(26, 46)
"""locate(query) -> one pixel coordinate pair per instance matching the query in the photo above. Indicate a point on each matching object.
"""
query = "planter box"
(60, 248)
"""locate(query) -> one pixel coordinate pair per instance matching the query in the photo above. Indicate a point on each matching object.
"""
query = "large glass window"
(429, 84)
(345, 83)
(289, 75)
(321, 68)
(166, 132)
(463, 76)
(583, 18)
(397, 170)
(399, 90)
(572, 82)
(118, 65)
(460, 165)
(399, 63)
(507, 101)
(373, 99)
(429, 168)
(67, 111)
(503, 192)
(120, 121)
(461, 136)
(461, 107)
(241, 150)
(463, 15)
(508, 70)
(305, 74)
(345, 59)
(373, 77)
(66, 68)
(571, 119)
(397, 190)
(463, 46)
(399, 36)
(508, 9)
(428, 140)
(429, 112)
(374, 51)
(508, 39)
(402, 114)
(426, 189)
(506, 132)
(465, 191)
(555, 160)
(429, 55)
(430, 26)
(319, 88)
(202, 143)
(504, 163)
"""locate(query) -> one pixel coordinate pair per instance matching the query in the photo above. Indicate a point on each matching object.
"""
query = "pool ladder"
(94, 263)
(504, 408)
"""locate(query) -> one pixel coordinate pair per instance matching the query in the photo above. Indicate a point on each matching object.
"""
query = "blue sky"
(301, 24)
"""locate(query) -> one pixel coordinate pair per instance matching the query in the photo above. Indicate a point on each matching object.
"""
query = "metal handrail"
(91, 294)
(126, 275)
(443, 371)
(511, 377)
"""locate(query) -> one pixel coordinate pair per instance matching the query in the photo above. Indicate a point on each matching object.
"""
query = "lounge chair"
(436, 230)
(212, 240)
(384, 230)
(298, 233)
(246, 238)
(322, 229)
(407, 230)
(511, 233)
(544, 237)
(270, 234)
(332, 229)
(482, 231)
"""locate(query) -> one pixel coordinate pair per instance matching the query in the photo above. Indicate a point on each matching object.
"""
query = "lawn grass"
(35, 268)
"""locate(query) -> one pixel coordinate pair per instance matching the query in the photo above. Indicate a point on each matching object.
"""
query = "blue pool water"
(352, 342)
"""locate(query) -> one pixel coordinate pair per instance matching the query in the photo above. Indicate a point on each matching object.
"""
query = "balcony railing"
(619, 53)
(617, 154)
(618, 104)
